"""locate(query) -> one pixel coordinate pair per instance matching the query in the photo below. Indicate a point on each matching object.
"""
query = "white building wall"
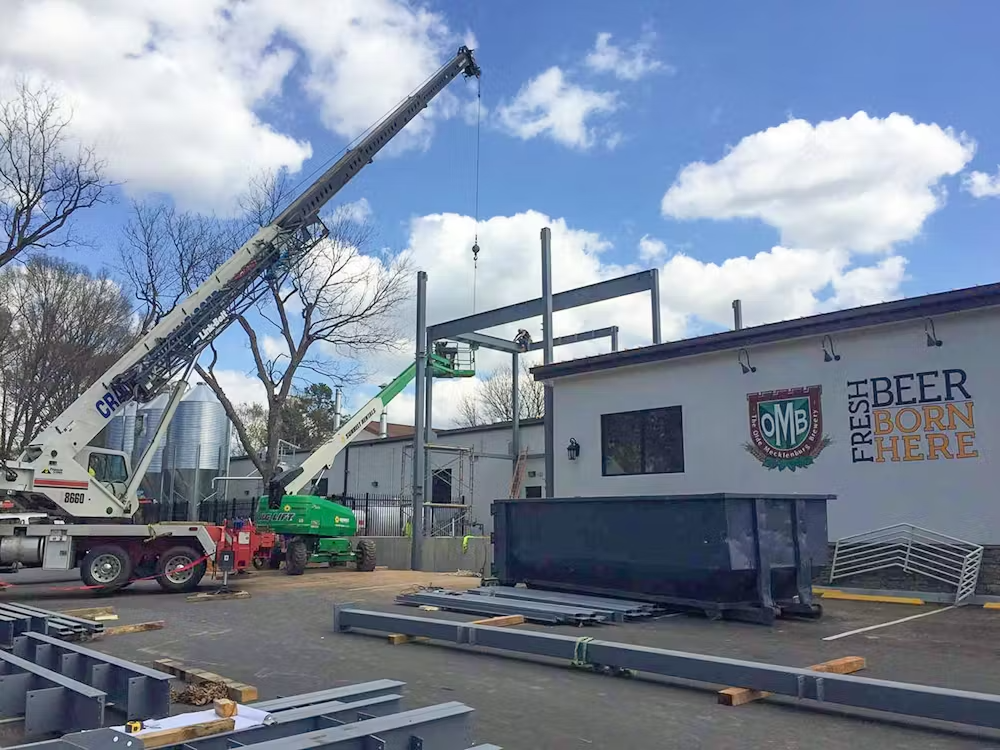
(954, 492)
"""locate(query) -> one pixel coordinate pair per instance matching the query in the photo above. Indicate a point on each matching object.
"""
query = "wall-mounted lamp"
(573, 449)
(743, 357)
(932, 339)
(829, 354)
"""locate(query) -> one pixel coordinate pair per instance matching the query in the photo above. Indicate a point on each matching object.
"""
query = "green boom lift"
(317, 529)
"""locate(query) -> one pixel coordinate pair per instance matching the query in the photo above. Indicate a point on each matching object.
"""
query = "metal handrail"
(931, 554)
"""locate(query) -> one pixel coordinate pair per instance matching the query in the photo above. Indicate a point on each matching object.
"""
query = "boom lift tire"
(297, 557)
(107, 567)
(185, 580)
(365, 560)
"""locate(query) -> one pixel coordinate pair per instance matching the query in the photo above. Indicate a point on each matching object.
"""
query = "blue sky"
(747, 113)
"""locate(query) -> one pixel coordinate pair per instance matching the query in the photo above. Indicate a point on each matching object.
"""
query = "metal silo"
(197, 450)
(120, 432)
(144, 424)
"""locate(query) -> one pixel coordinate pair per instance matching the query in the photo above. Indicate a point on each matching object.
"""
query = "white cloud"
(174, 93)
(628, 63)
(357, 211)
(982, 185)
(860, 183)
(548, 105)
(651, 249)
(239, 387)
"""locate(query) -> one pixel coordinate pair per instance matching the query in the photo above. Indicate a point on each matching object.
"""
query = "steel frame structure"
(923, 701)
(366, 716)
(466, 330)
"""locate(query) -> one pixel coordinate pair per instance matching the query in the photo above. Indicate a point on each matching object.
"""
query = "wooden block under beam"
(225, 707)
(396, 639)
(177, 735)
(139, 627)
(738, 696)
(237, 691)
(500, 622)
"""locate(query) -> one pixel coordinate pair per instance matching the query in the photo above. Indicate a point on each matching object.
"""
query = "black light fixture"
(573, 449)
(932, 339)
(742, 355)
(829, 354)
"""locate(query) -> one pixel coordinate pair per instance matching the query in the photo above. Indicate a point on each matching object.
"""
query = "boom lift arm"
(48, 476)
(291, 482)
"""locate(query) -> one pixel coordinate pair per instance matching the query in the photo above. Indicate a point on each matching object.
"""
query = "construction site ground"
(282, 641)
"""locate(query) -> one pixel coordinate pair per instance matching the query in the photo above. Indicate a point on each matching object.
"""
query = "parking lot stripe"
(887, 624)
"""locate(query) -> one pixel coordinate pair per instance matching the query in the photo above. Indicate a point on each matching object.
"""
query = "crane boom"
(180, 336)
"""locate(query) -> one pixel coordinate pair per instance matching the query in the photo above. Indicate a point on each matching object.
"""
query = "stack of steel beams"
(549, 613)
(617, 609)
(368, 715)
(18, 619)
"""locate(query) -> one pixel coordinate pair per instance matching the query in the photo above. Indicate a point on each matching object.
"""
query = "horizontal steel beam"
(81, 622)
(445, 726)
(584, 295)
(575, 338)
(490, 342)
(627, 607)
(360, 690)
(924, 701)
(48, 701)
(137, 691)
(487, 605)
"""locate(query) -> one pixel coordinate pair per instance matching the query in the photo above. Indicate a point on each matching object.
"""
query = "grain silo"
(197, 450)
(120, 432)
(146, 420)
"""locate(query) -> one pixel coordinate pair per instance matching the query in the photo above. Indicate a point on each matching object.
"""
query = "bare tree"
(44, 179)
(66, 327)
(334, 304)
(492, 401)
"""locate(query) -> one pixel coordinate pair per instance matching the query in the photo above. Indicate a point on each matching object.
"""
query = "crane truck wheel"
(365, 555)
(106, 567)
(297, 557)
(177, 572)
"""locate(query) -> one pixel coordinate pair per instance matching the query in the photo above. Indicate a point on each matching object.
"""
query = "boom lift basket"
(453, 360)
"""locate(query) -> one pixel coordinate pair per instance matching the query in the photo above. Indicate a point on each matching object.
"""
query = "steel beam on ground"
(137, 691)
(441, 727)
(537, 611)
(362, 689)
(48, 701)
(90, 625)
(924, 701)
(625, 606)
(585, 295)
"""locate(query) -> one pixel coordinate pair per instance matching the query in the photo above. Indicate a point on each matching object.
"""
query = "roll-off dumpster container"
(747, 556)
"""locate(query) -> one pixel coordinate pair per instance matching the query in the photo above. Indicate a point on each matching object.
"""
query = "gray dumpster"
(742, 556)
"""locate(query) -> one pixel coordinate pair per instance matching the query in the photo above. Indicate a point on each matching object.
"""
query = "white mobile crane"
(64, 503)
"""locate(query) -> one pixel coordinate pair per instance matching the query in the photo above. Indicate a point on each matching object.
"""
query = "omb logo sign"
(786, 427)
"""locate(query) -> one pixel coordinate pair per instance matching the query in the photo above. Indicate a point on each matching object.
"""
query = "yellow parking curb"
(872, 598)
(991, 605)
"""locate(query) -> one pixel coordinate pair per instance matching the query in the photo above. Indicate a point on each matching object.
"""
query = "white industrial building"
(887, 406)
(471, 466)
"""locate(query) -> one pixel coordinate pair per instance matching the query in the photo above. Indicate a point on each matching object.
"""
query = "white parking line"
(887, 624)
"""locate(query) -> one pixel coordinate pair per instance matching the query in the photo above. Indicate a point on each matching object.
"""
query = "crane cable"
(475, 245)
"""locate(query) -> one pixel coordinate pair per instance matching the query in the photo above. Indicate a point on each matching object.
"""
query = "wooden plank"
(92, 613)
(502, 621)
(177, 735)
(395, 639)
(237, 691)
(139, 627)
(735, 696)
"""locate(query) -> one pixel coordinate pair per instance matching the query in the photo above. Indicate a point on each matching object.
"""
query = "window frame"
(643, 415)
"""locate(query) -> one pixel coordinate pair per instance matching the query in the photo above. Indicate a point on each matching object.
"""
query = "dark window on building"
(441, 486)
(533, 490)
(650, 441)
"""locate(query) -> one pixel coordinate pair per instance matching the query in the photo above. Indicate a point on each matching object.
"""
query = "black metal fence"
(377, 515)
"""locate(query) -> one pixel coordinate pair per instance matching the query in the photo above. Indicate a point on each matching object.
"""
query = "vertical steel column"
(417, 526)
(737, 314)
(654, 295)
(614, 338)
(515, 411)
(428, 431)
(547, 337)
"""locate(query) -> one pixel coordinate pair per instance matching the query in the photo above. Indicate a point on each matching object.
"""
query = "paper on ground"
(246, 718)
